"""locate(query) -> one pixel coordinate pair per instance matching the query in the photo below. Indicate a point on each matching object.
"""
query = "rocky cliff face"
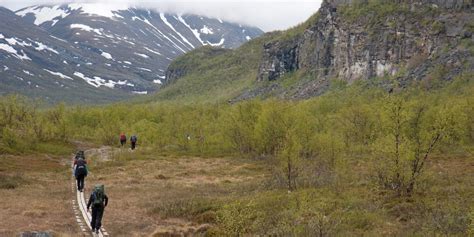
(350, 41)
(449, 4)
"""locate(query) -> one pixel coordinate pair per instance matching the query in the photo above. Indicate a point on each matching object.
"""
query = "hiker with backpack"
(133, 141)
(76, 157)
(123, 139)
(98, 200)
(80, 172)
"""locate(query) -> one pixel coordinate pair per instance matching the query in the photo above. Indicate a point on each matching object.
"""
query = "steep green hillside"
(212, 74)
(390, 43)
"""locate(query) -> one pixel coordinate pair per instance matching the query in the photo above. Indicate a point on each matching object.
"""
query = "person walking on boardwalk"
(98, 200)
(80, 172)
(133, 141)
(123, 139)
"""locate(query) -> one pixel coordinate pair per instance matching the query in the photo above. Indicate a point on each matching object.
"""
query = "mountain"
(387, 43)
(94, 53)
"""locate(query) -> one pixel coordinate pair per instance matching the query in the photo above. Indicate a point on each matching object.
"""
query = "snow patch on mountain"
(161, 33)
(140, 92)
(43, 14)
(28, 73)
(152, 51)
(163, 18)
(98, 81)
(58, 74)
(107, 55)
(144, 69)
(206, 30)
(99, 9)
(11, 50)
(142, 55)
(217, 44)
(86, 28)
(42, 47)
(195, 32)
(13, 41)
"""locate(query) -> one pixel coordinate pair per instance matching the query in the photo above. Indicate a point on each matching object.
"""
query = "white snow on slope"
(142, 55)
(144, 69)
(161, 33)
(152, 51)
(28, 73)
(140, 92)
(43, 14)
(11, 50)
(54, 37)
(206, 30)
(195, 32)
(86, 28)
(157, 81)
(14, 41)
(100, 9)
(163, 18)
(58, 74)
(248, 38)
(98, 82)
(217, 44)
(42, 46)
(106, 55)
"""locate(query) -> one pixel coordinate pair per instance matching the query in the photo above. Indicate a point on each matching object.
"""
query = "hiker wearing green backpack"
(98, 200)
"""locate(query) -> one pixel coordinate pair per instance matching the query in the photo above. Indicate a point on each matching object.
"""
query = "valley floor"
(35, 195)
(149, 195)
(157, 195)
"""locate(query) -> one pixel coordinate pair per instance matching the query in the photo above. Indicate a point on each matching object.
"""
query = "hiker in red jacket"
(123, 139)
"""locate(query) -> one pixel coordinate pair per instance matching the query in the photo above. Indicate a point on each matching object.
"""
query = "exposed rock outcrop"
(343, 43)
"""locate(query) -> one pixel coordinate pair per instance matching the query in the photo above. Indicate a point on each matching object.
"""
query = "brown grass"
(41, 198)
(156, 196)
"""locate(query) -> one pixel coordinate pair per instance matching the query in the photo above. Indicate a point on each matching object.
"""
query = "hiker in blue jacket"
(133, 141)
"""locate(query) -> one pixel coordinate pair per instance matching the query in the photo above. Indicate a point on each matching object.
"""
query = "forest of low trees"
(311, 143)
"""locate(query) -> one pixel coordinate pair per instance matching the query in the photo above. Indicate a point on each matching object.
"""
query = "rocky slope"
(351, 40)
(95, 53)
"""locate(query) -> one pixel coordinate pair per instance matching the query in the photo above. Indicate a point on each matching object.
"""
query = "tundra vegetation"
(356, 160)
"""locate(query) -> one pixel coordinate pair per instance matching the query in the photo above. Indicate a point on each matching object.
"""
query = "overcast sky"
(266, 14)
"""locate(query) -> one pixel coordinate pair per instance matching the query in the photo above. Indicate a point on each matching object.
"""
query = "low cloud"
(266, 14)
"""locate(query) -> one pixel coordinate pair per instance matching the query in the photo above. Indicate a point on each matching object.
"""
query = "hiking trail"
(80, 209)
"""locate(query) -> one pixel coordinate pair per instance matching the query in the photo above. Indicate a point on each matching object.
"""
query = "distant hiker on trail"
(123, 139)
(76, 157)
(133, 140)
(99, 201)
(80, 172)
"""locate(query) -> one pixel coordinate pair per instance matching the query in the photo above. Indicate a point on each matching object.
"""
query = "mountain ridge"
(105, 57)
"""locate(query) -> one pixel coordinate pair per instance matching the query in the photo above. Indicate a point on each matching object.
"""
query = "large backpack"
(123, 137)
(80, 154)
(99, 195)
(133, 138)
(81, 168)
